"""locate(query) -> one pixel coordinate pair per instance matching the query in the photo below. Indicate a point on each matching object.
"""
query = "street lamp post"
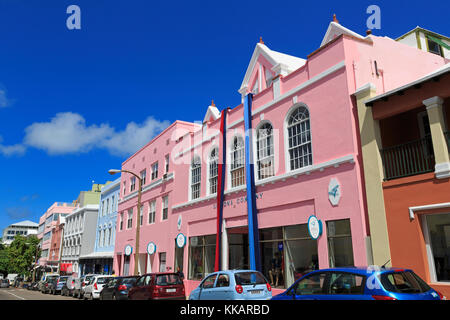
(138, 226)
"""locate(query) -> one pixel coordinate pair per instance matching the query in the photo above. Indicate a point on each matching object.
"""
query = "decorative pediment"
(335, 30)
(212, 113)
(265, 64)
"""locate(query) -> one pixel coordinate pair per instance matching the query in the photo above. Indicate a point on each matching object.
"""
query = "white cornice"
(152, 185)
(283, 177)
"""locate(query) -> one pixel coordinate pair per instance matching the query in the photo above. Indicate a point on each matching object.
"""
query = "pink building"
(307, 161)
(49, 233)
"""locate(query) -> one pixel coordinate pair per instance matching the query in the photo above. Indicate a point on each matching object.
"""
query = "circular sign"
(314, 227)
(181, 240)
(151, 248)
(128, 250)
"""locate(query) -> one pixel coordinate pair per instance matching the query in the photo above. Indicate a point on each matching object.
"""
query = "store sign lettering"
(241, 200)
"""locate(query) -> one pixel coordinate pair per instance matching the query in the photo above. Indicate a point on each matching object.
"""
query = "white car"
(95, 286)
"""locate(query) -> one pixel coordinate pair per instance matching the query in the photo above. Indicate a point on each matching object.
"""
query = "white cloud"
(12, 150)
(4, 100)
(134, 136)
(67, 133)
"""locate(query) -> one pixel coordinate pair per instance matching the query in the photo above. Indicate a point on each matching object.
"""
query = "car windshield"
(88, 278)
(403, 282)
(50, 278)
(168, 280)
(63, 279)
(249, 278)
(102, 280)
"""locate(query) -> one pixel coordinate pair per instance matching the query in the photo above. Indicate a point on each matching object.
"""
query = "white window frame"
(155, 170)
(143, 175)
(286, 137)
(213, 179)
(165, 206)
(236, 166)
(152, 212)
(195, 178)
(130, 218)
(132, 184)
(257, 145)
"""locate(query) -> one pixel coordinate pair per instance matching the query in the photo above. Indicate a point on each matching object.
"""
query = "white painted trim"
(335, 163)
(150, 186)
(427, 207)
(442, 170)
(426, 236)
(291, 92)
(365, 89)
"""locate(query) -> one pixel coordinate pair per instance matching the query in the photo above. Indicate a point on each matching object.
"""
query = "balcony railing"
(408, 159)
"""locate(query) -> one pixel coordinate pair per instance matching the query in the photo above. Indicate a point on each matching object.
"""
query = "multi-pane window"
(113, 203)
(196, 175)
(143, 176)
(151, 212)
(165, 207)
(132, 184)
(237, 162)
(167, 160)
(130, 218)
(121, 221)
(264, 147)
(299, 135)
(213, 170)
(108, 209)
(103, 208)
(124, 190)
(154, 170)
(141, 215)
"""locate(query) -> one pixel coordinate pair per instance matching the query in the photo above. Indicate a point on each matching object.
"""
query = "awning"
(96, 255)
(64, 267)
(438, 41)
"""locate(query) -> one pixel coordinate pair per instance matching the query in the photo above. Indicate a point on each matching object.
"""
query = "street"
(24, 294)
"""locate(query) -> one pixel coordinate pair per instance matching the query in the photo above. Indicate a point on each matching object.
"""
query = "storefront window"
(238, 257)
(300, 252)
(340, 249)
(439, 232)
(272, 257)
(202, 251)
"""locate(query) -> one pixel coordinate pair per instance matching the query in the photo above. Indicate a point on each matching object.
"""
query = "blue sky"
(74, 103)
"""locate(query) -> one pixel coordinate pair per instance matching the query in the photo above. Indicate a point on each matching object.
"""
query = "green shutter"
(438, 41)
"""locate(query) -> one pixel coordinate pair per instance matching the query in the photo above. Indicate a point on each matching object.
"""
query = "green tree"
(22, 254)
(4, 261)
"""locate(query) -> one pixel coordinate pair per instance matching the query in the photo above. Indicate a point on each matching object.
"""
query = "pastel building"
(79, 233)
(48, 224)
(408, 171)
(302, 160)
(428, 41)
(102, 256)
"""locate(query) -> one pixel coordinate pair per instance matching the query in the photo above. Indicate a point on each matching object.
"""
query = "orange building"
(405, 144)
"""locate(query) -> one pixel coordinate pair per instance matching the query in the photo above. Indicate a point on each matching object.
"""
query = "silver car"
(4, 283)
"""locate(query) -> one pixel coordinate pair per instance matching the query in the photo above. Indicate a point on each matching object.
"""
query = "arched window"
(237, 162)
(196, 175)
(264, 147)
(299, 135)
(213, 170)
(107, 240)
(109, 236)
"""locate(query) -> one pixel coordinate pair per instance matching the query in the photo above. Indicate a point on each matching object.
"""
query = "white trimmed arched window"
(213, 170)
(299, 138)
(196, 176)
(237, 169)
(264, 151)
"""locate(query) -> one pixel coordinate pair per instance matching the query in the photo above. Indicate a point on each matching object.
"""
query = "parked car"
(68, 287)
(360, 284)
(34, 286)
(95, 286)
(157, 286)
(77, 287)
(44, 283)
(86, 281)
(117, 288)
(233, 285)
(56, 284)
(4, 283)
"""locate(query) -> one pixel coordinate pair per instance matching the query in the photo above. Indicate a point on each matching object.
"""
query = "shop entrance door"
(126, 265)
(238, 256)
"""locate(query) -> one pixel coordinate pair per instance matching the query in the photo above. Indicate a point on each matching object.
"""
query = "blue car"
(360, 284)
(233, 285)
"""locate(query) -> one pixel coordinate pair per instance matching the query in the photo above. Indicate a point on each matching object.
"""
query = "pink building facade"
(307, 161)
(49, 233)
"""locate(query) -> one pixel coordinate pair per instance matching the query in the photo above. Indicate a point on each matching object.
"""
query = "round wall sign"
(151, 248)
(128, 250)
(181, 240)
(314, 227)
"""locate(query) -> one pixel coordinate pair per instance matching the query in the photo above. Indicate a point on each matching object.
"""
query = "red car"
(157, 286)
